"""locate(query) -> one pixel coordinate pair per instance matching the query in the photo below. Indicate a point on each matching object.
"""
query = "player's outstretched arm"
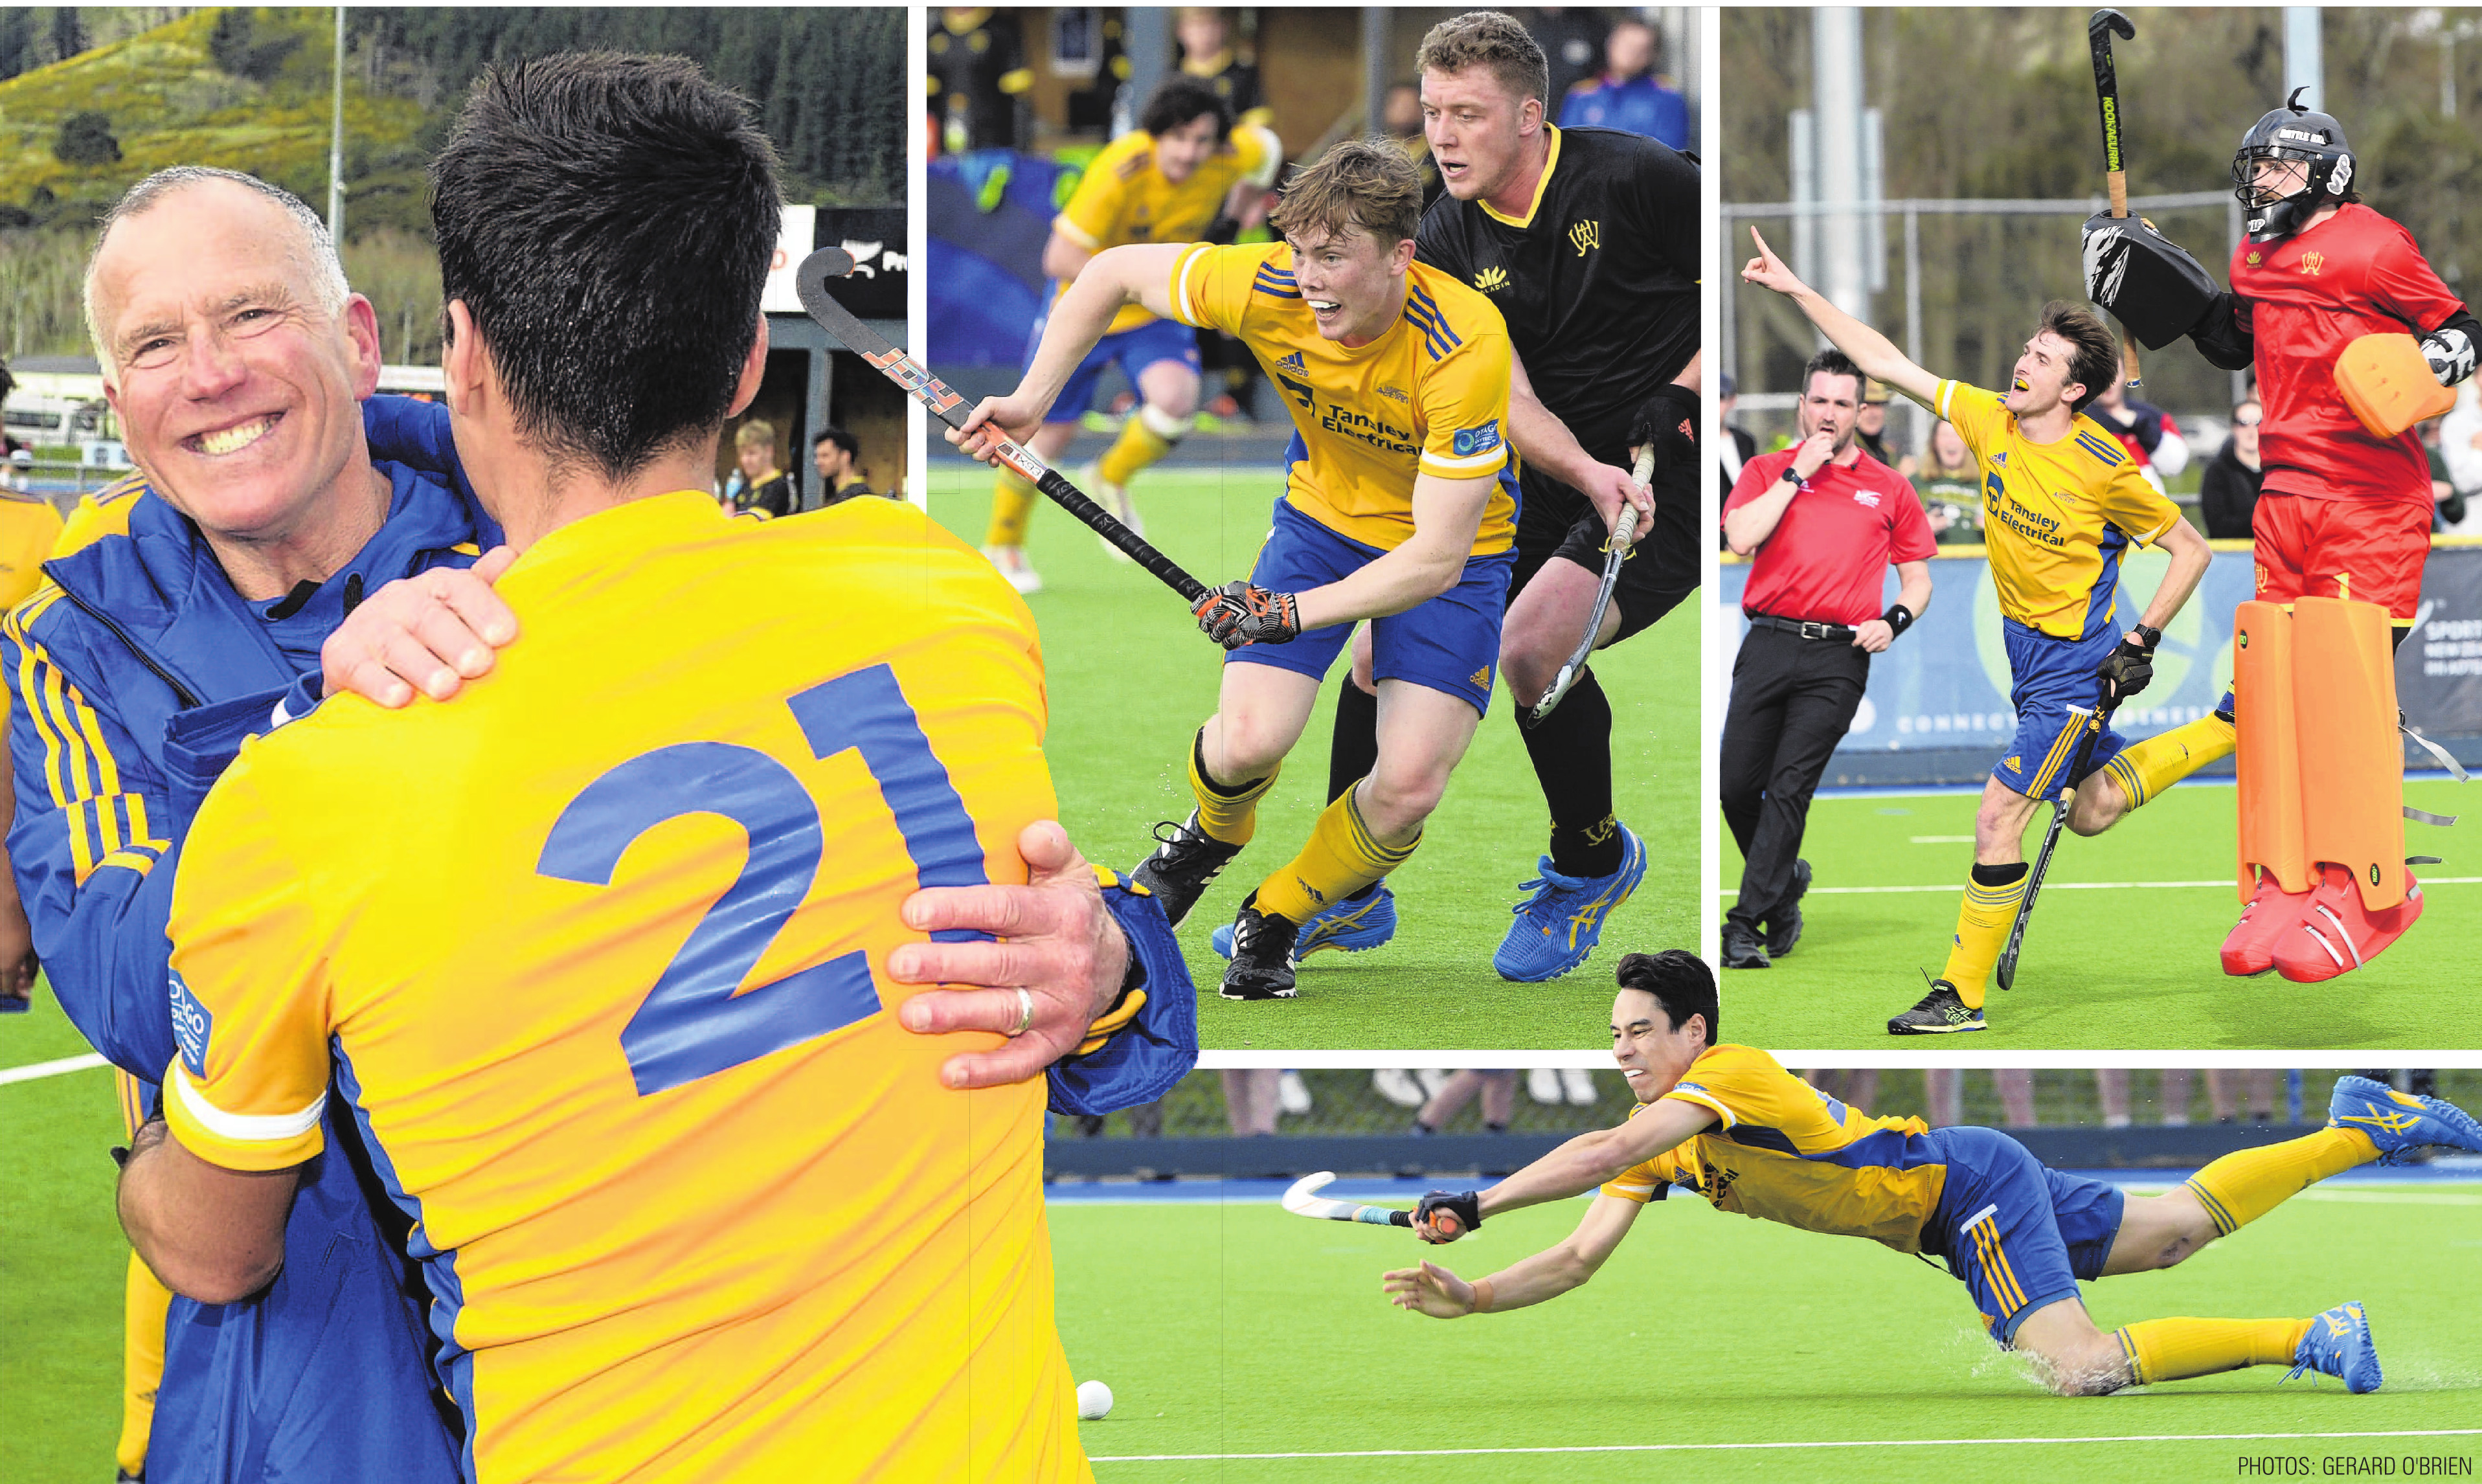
(1447, 513)
(1874, 352)
(209, 1233)
(1432, 1290)
(1548, 444)
(1591, 1158)
(1140, 274)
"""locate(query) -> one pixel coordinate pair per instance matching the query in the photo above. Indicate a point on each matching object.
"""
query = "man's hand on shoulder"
(433, 631)
(1060, 956)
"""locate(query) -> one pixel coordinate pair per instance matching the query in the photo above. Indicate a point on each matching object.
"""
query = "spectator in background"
(1943, 1096)
(2447, 506)
(1400, 118)
(1253, 1095)
(1870, 429)
(1857, 1089)
(2226, 1085)
(10, 448)
(1628, 95)
(976, 77)
(2228, 490)
(1572, 40)
(1206, 54)
(1739, 446)
(2144, 429)
(836, 456)
(1498, 1089)
(1949, 481)
(756, 486)
(1552, 1085)
(2111, 1090)
(2460, 445)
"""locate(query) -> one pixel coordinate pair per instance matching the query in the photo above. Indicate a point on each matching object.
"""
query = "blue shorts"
(1450, 643)
(1134, 349)
(2053, 675)
(2017, 1234)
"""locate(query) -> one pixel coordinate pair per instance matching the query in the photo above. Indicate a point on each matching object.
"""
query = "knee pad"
(1165, 426)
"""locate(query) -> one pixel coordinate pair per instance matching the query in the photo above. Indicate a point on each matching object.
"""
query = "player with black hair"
(1729, 1124)
(1185, 167)
(836, 455)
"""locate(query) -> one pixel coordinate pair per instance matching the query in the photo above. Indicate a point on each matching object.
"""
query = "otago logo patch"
(1470, 441)
(191, 1026)
(1490, 280)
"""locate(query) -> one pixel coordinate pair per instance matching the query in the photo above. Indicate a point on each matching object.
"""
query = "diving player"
(1587, 242)
(2062, 502)
(1398, 506)
(1174, 178)
(1729, 1124)
(694, 1193)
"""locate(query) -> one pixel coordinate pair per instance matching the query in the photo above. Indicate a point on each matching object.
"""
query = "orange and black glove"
(1236, 614)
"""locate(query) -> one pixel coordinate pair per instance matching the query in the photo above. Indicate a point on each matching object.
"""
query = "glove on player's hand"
(2150, 284)
(2450, 354)
(2127, 671)
(1465, 1206)
(1236, 614)
(1668, 419)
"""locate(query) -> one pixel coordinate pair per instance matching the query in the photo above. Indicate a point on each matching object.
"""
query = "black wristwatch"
(1793, 474)
(2150, 637)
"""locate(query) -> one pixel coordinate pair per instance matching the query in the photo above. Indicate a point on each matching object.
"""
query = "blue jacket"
(135, 677)
(1641, 106)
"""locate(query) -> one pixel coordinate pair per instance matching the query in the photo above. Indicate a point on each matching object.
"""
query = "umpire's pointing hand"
(1768, 271)
(1057, 942)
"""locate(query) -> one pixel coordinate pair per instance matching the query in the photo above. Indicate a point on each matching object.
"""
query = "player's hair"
(756, 433)
(1180, 98)
(314, 251)
(1360, 184)
(1831, 361)
(607, 221)
(832, 434)
(1488, 39)
(2096, 361)
(1679, 981)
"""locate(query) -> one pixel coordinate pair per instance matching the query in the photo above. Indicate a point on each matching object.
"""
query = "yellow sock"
(2247, 1184)
(1982, 927)
(144, 1306)
(1012, 504)
(2145, 769)
(1226, 814)
(1138, 446)
(2169, 1349)
(1340, 859)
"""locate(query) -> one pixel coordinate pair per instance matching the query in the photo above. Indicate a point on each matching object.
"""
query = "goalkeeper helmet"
(2294, 134)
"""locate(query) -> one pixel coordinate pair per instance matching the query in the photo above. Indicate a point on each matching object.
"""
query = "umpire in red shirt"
(1820, 521)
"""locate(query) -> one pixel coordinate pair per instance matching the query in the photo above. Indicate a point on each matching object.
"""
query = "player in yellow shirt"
(1183, 170)
(1399, 506)
(2062, 503)
(606, 954)
(1729, 1124)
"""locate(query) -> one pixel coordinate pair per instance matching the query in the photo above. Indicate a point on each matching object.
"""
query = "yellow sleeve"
(1464, 409)
(1092, 219)
(1976, 414)
(1638, 1182)
(1211, 285)
(250, 1008)
(2136, 506)
(1735, 1082)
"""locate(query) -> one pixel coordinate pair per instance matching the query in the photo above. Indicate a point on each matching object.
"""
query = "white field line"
(2224, 882)
(34, 1071)
(1858, 1443)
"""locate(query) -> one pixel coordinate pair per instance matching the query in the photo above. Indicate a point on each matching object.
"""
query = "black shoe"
(1184, 862)
(1262, 955)
(1741, 948)
(1783, 925)
(1940, 1013)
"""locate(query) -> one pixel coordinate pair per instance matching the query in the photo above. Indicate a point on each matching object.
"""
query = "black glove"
(1464, 1206)
(1668, 421)
(2150, 284)
(2126, 671)
(1236, 614)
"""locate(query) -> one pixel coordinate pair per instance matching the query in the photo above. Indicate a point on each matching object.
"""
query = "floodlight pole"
(336, 140)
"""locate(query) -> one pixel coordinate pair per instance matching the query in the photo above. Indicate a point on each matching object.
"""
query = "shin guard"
(2351, 767)
(2269, 750)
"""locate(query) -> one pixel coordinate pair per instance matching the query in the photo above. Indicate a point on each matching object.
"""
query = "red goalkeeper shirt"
(2304, 300)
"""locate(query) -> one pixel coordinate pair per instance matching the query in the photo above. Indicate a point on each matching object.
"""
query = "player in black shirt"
(1588, 242)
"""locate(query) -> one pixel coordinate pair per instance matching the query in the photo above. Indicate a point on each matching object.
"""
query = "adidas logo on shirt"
(1292, 362)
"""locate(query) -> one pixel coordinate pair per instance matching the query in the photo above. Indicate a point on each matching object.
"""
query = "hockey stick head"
(810, 279)
(2103, 24)
(1304, 1199)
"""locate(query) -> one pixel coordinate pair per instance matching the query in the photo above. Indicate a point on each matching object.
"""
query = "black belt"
(1802, 628)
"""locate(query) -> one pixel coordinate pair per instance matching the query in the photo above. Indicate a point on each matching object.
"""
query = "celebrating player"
(1585, 240)
(1728, 1123)
(1398, 506)
(2062, 501)
(2342, 526)
(1184, 170)
(603, 951)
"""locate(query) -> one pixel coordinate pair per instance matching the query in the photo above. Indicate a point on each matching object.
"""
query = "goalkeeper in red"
(1399, 506)
(1727, 1123)
(2342, 528)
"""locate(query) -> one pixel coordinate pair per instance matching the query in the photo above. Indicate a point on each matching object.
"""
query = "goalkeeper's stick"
(810, 283)
(2096, 722)
(1304, 1199)
(1618, 550)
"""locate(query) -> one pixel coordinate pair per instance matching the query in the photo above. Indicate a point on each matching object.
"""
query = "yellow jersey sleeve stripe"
(1182, 272)
(1946, 390)
(1688, 1092)
(241, 1128)
(1076, 233)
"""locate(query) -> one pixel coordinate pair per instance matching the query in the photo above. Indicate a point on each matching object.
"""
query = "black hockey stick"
(2097, 722)
(810, 283)
(2101, 27)
(1617, 552)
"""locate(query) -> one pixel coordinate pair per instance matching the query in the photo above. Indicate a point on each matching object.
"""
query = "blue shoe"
(2400, 1122)
(2338, 1344)
(1561, 923)
(1355, 927)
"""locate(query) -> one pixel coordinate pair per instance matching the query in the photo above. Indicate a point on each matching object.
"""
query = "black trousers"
(1793, 700)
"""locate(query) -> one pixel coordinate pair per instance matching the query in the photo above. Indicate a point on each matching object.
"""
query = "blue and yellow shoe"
(2398, 1122)
(1355, 927)
(2338, 1344)
(1560, 923)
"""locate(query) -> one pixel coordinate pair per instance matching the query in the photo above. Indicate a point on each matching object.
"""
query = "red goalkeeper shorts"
(2369, 551)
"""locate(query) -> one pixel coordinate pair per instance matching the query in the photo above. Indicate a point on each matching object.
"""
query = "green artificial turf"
(1237, 1329)
(1132, 680)
(2103, 969)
